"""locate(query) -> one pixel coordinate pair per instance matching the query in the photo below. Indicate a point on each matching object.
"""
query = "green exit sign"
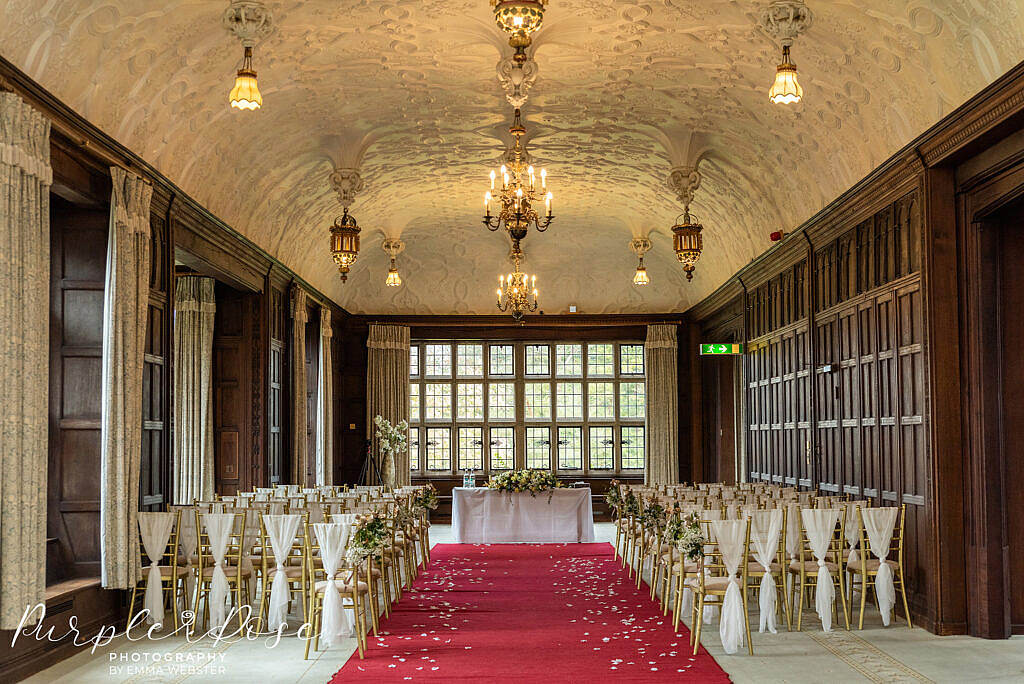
(721, 349)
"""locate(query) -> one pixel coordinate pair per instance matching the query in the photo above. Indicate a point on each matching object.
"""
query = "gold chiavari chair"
(777, 568)
(712, 581)
(865, 569)
(295, 569)
(171, 582)
(804, 569)
(349, 586)
(237, 571)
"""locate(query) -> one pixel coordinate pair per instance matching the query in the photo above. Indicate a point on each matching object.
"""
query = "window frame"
(519, 425)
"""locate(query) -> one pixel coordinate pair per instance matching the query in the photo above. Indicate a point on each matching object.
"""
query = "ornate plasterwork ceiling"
(407, 91)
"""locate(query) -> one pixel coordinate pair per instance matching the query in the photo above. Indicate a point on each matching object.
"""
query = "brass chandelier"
(518, 291)
(520, 19)
(519, 192)
(345, 242)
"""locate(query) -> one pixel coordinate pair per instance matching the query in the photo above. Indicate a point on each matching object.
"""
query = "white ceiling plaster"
(407, 90)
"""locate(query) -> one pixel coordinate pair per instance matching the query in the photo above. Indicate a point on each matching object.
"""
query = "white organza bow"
(731, 535)
(218, 528)
(765, 530)
(820, 524)
(156, 532)
(879, 524)
(281, 529)
(333, 538)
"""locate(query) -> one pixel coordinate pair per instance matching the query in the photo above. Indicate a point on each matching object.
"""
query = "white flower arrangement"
(391, 438)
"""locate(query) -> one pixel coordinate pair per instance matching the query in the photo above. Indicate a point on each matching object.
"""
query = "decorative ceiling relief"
(401, 97)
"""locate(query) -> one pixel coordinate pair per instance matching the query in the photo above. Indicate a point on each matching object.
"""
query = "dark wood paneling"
(235, 467)
(312, 392)
(78, 249)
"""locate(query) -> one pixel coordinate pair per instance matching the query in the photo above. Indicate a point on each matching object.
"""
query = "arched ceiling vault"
(407, 91)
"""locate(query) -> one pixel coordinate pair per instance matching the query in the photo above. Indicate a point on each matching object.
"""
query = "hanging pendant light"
(687, 242)
(246, 93)
(392, 247)
(786, 89)
(640, 277)
(345, 242)
(640, 246)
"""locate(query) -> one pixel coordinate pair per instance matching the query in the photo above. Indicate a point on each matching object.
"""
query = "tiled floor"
(893, 654)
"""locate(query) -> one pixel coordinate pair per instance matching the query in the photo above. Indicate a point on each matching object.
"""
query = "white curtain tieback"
(821, 563)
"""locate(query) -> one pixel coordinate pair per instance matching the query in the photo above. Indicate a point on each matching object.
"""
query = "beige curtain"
(300, 450)
(125, 305)
(25, 178)
(662, 405)
(325, 421)
(387, 389)
(194, 310)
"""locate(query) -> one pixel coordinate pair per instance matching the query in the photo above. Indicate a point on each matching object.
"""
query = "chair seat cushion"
(230, 571)
(342, 586)
(756, 568)
(811, 567)
(710, 583)
(872, 565)
(290, 571)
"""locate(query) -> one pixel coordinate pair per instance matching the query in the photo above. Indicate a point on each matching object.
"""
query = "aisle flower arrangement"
(426, 499)
(652, 516)
(369, 538)
(683, 531)
(613, 498)
(532, 481)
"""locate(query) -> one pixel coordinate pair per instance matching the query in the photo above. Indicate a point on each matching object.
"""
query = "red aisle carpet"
(534, 613)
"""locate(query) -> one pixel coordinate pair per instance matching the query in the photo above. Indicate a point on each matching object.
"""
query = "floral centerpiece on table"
(683, 531)
(532, 481)
(391, 441)
(425, 499)
(368, 539)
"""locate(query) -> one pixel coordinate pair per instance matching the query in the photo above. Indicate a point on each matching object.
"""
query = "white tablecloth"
(485, 516)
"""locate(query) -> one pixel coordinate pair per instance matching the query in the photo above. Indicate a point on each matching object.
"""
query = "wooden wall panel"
(235, 467)
(78, 249)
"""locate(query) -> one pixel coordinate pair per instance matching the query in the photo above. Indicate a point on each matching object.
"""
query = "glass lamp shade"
(246, 94)
(640, 278)
(345, 243)
(519, 16)
(688, 244)
(393, 279)
(786, 89)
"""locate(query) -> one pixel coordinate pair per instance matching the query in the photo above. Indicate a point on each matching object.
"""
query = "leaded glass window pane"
(601, 400)
(569, 401)
(437, 401)
(537, 401)
(570, 448)
(469, 401)
(414, 448)
(438, 359)
(538, 447)
(439, 449)
(538, 359)
(502, 359)
(469, 360)
(631, 359)
(471, 448)
(600, 360)
(632, 446)
(602, 448)
(414, 360)
(414, 403)
(631, 400)
(569, 360)
(503, 448)
(501, 401)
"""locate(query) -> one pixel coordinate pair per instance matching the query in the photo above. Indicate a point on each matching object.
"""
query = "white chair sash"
(765, 530)
(852, 529)
(156, 532)
(218, 529)
(731, 535)
(332, 538)
(281, 529)
(879, 524)
(820, 524)
(187, 542)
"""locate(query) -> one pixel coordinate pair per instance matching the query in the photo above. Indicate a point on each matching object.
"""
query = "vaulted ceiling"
(407, 91)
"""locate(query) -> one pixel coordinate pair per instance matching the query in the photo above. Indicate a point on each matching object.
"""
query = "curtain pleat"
(662, 410)
(125, 307)
(325, 398)
(300, 448)
(195, 308)
(25, 177)
(387, 390)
